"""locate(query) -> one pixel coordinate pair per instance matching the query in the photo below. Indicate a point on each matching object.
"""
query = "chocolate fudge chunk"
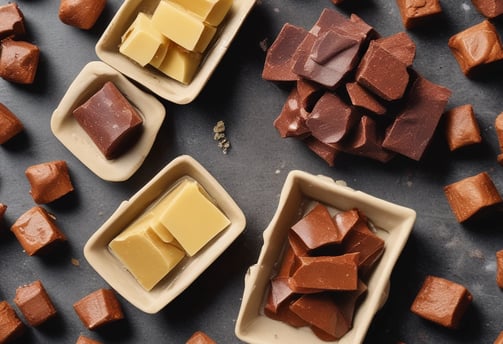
(18, 61)
(34, 302)
(49, 181)
(489, 8)
(81, 14)
(11, 21)
(461, 127)
(98, 308)
(11, 327)
(10, 125)
(417, 13)
(499, 268)
(199, 337)
(86, 340)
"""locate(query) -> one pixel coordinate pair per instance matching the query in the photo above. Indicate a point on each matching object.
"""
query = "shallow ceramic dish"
(107, 50)
(67, 130)
(108, 266)
(393, 223)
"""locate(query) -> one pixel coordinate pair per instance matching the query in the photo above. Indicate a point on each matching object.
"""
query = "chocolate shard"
(327, 152)
(363, 99)
(292, 119)
(11, 21)
(399, 45)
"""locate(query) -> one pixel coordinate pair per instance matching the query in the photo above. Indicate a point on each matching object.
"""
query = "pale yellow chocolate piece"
(211, 11)
(182, 27)
(142, 40)
(144, 254)
(192, 218)
(160, 54)
(180, 64)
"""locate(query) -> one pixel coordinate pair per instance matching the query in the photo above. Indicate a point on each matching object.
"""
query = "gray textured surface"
(253, 172)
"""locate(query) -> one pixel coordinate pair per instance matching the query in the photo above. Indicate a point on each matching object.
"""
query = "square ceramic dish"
(67, 130)
(111, 269)
(393, 223)
(107, 50)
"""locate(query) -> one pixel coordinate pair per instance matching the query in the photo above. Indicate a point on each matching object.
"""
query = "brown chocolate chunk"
(110, 120)
(292, 118)
(382, 73)
(498, 125)
(11, 327)
(399, 45)
(461, 127)
(278, 301)
(489, 8)
(416, 13)
(34, 302)
(363, 99)
(199, 337)
(412, 130)
(330, 19)
(287, 264)
(18, 61)
(471, 195)
(309, 93)
(37, 231)
(442, 301)
(10, 125)
(3, 209)
(325, 151)
(499, 268)
(82, 14)
(49, 181)
(98, 308)
(477, 48)
(11, 21)
(86, 340)
(280, 55)
(331, 119)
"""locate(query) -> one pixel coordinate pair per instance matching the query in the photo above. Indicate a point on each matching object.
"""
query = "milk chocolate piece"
(34, 302)
(330, 19)
(442, 301)
(309, 93)
(412, 130)
(86, 340)
(81, 14)
(470, 196)
(287, 264)
(399, 45)
(110, 120)
(18, 61)
(499, 268)
(98, 308)
(325, 151)
(382, 73)
(49, 181)
(489, 8)
(11, 21)
(477, 48)
(461, 127)
(498, 125)
(199, 337)
(499, 339)
(279, 58)
(363, 99)
(346, 220)
(37, 231)
(292, 118)
(416, 13)
(278, 302)
(10, 125)
(11, 327)
(3, 209)
(331, 119)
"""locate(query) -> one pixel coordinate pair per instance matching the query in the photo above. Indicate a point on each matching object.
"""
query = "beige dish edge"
(98, 255)
(107, 50)
(393, 222)
(67, 130)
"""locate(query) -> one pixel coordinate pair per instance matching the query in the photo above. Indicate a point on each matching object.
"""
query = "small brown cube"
(11, 326)
(442, 301)
(200, 337)
(10, 125)
(18, 61)
(98, 308)
(461, 127)
(489, 8)
(37, 231)
(49, 181)
(34, 302)
(499, 268)
(471, 195)
(11, 21)
(81, 14)
(86, 340)
(416, 13)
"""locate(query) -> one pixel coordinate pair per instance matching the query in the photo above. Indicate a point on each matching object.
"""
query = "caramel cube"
(416, 13)
(11, 21)
(98, 308)
(461, 127)
(86, 340)
(18, 61)
(489, 8)
(10, 125)
(81, 14)
(49, 181)
(499, 268)
(200, 337)
(3, 209)
(499, 339)
(11, 326)
(34, 302)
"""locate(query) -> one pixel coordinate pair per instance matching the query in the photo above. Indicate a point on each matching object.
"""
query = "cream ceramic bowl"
(393, 223)
(107, 50)
(69, 132)
(98, 255)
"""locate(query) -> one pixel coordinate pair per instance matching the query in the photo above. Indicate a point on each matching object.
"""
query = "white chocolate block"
(210, 11)
(180, 64)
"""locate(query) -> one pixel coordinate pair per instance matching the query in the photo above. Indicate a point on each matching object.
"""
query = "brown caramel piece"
(86, 340)
(11, 326)
(36, 231)
(199, 337)
(399, 45)
(49, 181)
(415, 13)
(11, 21)
(10, 125)
(499, 268)
(18, 61)
(81, 14)
(325, 151)
(291, 120)
(98, 308)
(498, 125)
(3, 209)
(461, 127)
(34, 302)
(471, 195)
(476, 48)
(362, 98)
(442, 301)
(499, 339)
(489, 8)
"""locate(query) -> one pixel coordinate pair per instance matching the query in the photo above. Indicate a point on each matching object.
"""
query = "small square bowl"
(393, 224)
(99, 256)
(67, 130)
(107, 50)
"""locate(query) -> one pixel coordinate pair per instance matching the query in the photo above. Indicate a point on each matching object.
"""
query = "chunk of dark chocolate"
(278, 301)
(292, 118)
(11, 21)
(11, 327)
(416, 13)
(399, 45)
(34, 302)
(98, 308)
(10, 125)
(327, 152)
(49, 181)
(363, 99)
(489, 8)
(461, 127)
(18, 61)
(309, 93)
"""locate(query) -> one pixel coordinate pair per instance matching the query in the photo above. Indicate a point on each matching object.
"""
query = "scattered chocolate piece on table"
(11, 327)
(498, 125)
(477, 48)
(34, 302)
(489, 8)
(37, 231)
(81, 14)
(442, 301)
(199, 337)
(11, 21)
(98, 308)
(86, 340)
(18, 61)
(418, 13)
(49, 181)
(3, 209)
(461, 127)
(10, 125)
(499, 268)
(499, 339)
(470, 196)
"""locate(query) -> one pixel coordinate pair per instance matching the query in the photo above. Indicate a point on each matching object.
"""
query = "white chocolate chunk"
(210, 11)
(180, 64)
